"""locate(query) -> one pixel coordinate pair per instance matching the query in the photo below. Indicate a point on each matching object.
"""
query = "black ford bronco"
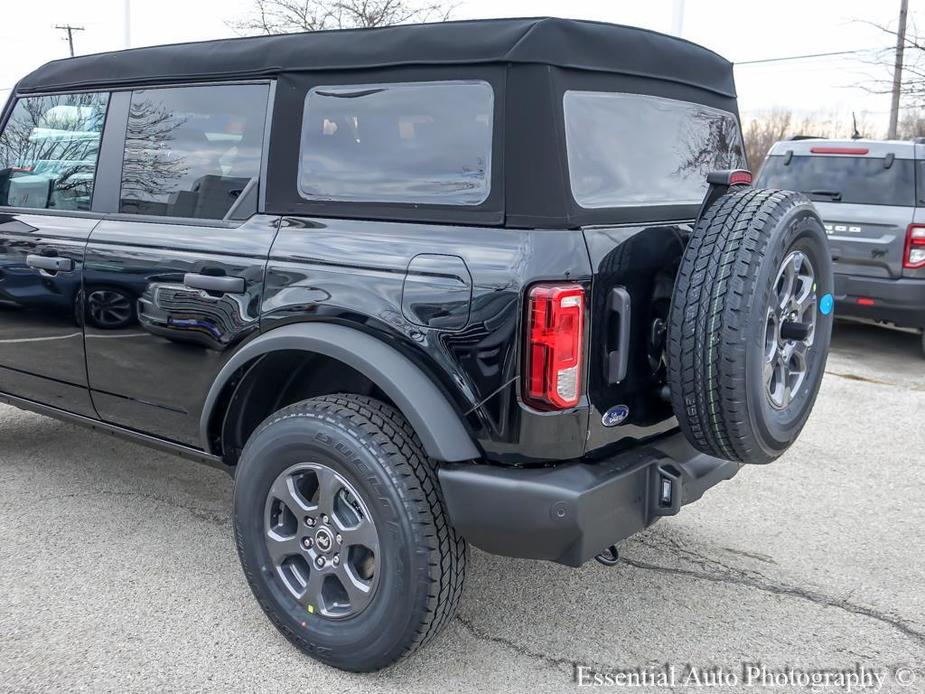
(496, 282)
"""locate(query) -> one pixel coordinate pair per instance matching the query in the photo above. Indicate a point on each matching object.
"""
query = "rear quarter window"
(629, 150)
(416, 143)
(839, 178)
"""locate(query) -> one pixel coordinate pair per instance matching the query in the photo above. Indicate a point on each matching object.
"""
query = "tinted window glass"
(628, 149)
(48, 151)
(412, 143)
(863, 180)
(192, 151)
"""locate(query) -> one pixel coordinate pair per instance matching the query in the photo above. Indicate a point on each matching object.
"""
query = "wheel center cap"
(324, 540)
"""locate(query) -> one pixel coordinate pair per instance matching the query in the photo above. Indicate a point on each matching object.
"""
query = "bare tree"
(912, 86)
(763, 130)
(150, 165)
(710, 143)
(911, 125)
(285, 16)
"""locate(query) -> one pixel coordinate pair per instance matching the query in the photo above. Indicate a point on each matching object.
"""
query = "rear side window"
(628, 150)
(192, 151)
(839, 178)
(48, 151)
(427, 142)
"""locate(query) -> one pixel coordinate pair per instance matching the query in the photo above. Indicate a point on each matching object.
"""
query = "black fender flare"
(438, 425)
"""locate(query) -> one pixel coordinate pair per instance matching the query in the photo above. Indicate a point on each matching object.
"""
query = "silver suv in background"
(871, 196)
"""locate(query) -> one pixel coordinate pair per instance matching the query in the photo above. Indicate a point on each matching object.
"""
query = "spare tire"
(750, 323)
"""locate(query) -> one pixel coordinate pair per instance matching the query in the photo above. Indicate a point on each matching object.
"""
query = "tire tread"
(709, 323)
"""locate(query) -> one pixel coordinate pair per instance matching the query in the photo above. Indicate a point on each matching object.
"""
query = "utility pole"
(677, 18)
(898, 69)
(127, 23)
(70, 35)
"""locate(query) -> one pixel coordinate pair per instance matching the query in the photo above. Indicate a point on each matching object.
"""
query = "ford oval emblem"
(615, 415)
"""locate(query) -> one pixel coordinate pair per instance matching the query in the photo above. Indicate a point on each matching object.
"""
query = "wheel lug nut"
(336, 560)
(324, 518)
(307, 542)
(339, 538)
(319, 562)
(309, 521)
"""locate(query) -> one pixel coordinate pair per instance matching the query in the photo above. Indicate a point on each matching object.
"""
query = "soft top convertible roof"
(592, 46)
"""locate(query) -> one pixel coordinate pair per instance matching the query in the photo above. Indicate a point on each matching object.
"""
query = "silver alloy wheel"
(791, 327)
(108, 308)
(322, 540)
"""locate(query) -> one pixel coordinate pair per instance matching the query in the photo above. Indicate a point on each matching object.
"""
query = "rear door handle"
(50, 263)
(618, 342)
(215, 283)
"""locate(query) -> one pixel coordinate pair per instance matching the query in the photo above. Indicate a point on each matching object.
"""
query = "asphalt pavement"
(118, 571)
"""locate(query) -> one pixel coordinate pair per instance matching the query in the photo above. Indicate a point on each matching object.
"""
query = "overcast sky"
(741, 32)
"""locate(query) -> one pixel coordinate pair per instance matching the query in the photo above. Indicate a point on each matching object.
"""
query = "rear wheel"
(342, 532)
(750, 324)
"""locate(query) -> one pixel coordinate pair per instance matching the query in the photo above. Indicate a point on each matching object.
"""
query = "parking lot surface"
(118, 570)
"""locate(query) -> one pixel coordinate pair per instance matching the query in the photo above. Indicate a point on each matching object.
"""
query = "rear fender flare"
(434, 419)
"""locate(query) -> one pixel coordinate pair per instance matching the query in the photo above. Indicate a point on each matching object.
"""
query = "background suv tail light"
(555, 345)
(914, 257)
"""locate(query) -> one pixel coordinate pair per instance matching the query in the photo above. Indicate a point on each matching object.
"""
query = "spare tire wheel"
(750, 323)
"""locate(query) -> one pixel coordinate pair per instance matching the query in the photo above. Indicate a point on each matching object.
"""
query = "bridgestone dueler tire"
(718, 318)
(423, 561)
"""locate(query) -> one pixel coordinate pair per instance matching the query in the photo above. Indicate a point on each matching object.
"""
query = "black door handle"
(618, 342)
(215, 283)
(50, 263)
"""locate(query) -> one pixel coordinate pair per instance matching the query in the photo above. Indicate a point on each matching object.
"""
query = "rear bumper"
(572, 512)
(899, 301)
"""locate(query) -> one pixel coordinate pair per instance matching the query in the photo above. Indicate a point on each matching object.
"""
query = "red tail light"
(914, 257)
(555, 343)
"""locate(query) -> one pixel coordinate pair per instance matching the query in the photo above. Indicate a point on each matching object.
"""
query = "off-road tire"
(422, 560)
(716, 330)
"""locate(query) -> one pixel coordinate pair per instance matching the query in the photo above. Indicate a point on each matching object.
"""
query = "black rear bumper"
(899, 301)
(572, 512)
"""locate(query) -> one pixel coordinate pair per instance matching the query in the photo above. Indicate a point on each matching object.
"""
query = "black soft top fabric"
(592, 46)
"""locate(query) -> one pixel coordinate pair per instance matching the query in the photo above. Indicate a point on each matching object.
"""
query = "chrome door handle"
(214, 283)
(50, 263)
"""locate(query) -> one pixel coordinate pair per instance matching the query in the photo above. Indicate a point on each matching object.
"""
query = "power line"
(808, 55)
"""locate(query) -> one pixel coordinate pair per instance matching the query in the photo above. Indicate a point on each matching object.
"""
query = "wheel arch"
(439, 426)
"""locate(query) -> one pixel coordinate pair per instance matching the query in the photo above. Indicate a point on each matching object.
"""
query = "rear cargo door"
(641, 157)
(866, 240)
(866, 199)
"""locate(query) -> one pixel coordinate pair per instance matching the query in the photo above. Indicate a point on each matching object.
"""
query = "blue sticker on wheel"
(826, 304)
